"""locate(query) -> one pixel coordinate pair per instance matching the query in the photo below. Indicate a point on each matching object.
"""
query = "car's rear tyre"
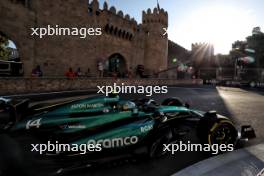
(156, 147)
(19, 159)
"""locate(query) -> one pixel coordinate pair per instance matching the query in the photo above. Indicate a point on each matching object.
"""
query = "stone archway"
(5, 37)
(15, 22)
(116, 64)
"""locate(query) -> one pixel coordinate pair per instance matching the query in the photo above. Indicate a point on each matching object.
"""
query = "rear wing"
(11, 111)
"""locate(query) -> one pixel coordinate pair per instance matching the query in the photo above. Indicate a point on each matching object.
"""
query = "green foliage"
(256, 42)
(4, 52)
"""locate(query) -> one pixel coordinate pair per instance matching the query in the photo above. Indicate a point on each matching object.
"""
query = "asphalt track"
(244, 162)
(242, 106)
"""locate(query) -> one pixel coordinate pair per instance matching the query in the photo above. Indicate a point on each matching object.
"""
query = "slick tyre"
(16, 157)
(222, 132)
(219, 131)
(156, 147)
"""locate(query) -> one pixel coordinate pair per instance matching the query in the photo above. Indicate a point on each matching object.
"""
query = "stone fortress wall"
(137, 43)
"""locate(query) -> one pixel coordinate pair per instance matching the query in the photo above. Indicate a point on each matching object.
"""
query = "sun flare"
(219, 25)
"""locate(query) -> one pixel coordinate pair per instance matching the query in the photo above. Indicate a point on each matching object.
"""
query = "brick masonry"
(139, 43)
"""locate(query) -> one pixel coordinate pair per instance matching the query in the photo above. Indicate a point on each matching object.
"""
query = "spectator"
(88, 73)
(115, 75)
(100, 69)
(70, 74)
(78, 72)
(129, 73)
(140, 71)
(36, 72)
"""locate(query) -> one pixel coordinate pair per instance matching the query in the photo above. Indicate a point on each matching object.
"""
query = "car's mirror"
(187, 105)
(135, 111)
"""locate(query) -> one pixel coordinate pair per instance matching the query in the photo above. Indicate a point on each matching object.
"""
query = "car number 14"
(33, 124)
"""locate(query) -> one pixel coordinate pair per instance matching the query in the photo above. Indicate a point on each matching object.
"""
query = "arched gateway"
(116, 64)
(15, 20)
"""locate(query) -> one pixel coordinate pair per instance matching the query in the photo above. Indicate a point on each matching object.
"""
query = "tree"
(256, 42)
(4, 52)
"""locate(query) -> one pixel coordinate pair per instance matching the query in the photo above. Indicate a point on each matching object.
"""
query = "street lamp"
(174, 60)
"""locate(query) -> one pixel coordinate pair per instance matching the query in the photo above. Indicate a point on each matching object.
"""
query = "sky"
(220, 22)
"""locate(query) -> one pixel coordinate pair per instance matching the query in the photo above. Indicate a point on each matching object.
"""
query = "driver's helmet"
(150, 102)
(113, 95)
(129, 105)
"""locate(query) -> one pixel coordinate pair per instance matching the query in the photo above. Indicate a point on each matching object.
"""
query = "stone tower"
(156, 44)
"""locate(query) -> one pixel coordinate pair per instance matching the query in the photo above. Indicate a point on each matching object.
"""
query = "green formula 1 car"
(108, 126)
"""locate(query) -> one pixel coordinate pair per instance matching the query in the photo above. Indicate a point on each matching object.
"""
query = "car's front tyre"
(213, 130)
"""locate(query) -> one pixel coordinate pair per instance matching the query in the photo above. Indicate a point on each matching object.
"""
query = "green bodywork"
(95, 119)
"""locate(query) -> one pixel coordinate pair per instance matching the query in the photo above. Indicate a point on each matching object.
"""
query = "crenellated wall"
(138, 43)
